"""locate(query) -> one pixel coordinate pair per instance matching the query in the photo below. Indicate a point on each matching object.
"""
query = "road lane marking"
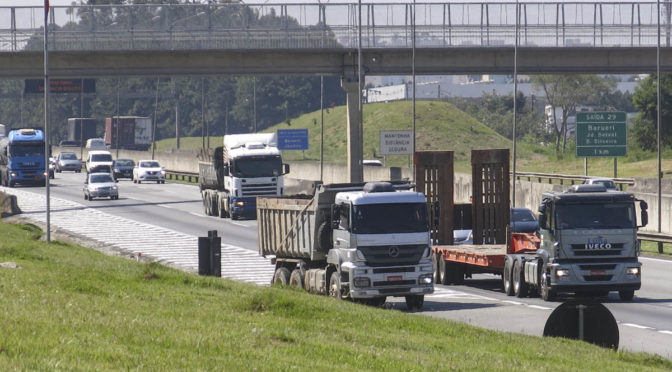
(540, 307)
(666, 332)
(654, 259)
(513, 302)
(636, 326)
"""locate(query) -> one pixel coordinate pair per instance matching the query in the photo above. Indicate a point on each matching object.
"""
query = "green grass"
(75, 309)
(440, 126)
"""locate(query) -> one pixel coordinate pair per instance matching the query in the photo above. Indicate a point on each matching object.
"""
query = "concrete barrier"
(9, 205)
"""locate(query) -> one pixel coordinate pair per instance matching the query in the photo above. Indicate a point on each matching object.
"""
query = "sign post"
(601, 134)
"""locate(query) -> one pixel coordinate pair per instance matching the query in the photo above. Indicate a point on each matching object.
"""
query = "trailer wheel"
(519, 285)
(335, 286)
(214, 208)
(626, 295)
(296, 279)
(415, 302)
(281, 276)
(547, 294)
(442, 271)
(437, 276)
(506, 277)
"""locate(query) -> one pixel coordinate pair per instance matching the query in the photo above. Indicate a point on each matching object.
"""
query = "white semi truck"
(359, 241)
(247, 166)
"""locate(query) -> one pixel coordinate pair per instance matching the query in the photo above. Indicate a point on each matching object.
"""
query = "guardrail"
(655, 237)
(191, 177)
(570, 179)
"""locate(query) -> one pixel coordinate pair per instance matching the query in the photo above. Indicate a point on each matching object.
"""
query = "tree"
(566, 92)
(645, 99)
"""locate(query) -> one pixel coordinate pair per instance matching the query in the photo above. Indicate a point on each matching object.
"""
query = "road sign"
(293, 139)
(601, 134)
(396, 142)
(34, 86)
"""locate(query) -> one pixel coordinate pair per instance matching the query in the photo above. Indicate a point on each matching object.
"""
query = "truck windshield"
(595, 216)
(27, 150)
(389, 218)
(257, 166)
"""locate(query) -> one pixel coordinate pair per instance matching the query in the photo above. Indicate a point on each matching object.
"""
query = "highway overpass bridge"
(326, 39)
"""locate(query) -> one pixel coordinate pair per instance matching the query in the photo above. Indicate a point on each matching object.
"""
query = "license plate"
(393, 278)
(598, 272)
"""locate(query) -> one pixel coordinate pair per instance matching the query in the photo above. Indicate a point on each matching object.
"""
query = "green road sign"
(601, 134)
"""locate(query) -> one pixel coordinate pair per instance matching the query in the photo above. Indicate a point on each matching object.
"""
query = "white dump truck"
(247, 166)
(359, 241)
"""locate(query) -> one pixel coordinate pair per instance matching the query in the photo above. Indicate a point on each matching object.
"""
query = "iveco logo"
(393, 251)
(598, 243)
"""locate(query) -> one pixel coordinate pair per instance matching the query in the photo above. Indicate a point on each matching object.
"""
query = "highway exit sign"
(601, 134)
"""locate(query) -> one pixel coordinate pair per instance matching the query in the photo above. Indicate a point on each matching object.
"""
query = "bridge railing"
(384, 25)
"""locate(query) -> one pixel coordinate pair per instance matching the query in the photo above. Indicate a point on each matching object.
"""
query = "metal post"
(81, 118)
(413, 68)
(47, 87)
(322, 128)
(156, 106)
(117, 139)
(202, 112)
(581, 308)
(254, 102)
(360, 171)
(515, 105)
(658, 110)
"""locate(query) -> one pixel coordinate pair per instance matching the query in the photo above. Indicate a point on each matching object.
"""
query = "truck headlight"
(561, 273)
(634, 271)
(239, 203)
(114, 187)
(163, 172)
(361, 282)
(425, 279)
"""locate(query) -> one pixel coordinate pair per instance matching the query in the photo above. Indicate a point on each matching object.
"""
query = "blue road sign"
(293, 139)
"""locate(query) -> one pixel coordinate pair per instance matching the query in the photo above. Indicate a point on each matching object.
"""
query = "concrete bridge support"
(355, 140)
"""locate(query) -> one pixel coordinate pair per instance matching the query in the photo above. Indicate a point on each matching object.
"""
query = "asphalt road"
(645, 323)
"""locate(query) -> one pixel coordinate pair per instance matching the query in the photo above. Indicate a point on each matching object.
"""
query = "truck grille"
(580, 250)
(388, 255)
(260, 189)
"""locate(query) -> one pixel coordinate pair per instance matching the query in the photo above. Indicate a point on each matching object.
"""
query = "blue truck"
(22, 158)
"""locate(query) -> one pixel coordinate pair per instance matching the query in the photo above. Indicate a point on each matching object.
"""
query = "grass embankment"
(440, 126)
(72, 308)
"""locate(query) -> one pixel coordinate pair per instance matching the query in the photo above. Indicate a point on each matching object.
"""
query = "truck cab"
(22, 158)
(589, 241)
(381, 244)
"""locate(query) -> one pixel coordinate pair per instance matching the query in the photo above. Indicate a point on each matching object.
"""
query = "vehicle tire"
(458, 273)
(376, 302)
(442, 271)
(222, 212)
(546, 293)
(626, 295)
(139, 182)
(296, 279)
(324, 234)
(519, 285)
(415, 302)
(335, 286)
(86, 197)
(116, 197)
(58, 170)
(158, 182)
(437, 276)
(234, 216)
(281, 276)
(162, 182)
(10, 183)
(506, 277)
(135, 181)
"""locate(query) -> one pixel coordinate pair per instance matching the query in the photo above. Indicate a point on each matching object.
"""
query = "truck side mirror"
(335, 216)
(644, 218)
(285, 168)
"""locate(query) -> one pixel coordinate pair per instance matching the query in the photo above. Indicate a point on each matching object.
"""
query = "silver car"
(68, 161)
(100, 185)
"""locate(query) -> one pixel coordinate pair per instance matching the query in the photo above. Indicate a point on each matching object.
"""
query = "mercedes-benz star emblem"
(393, 251)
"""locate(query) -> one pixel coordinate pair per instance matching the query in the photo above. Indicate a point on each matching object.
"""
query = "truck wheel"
(222, 213)
(458, 273)
(519, 285)
(281, 276)
(296, 279)
(335, 286)
(376, 302)
(214, 208)
(442, 271)
(546, 293)
(626, 295)
(415, 302)
(435, 258)
(506, 277)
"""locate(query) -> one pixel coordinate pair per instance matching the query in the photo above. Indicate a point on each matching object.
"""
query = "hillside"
(440, 126)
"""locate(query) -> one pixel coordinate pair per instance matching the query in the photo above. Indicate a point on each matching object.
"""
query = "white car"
(100, 185)
(99, 161)
(149, 170)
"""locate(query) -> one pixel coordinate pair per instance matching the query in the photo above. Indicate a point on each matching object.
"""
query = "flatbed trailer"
(455, 262)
